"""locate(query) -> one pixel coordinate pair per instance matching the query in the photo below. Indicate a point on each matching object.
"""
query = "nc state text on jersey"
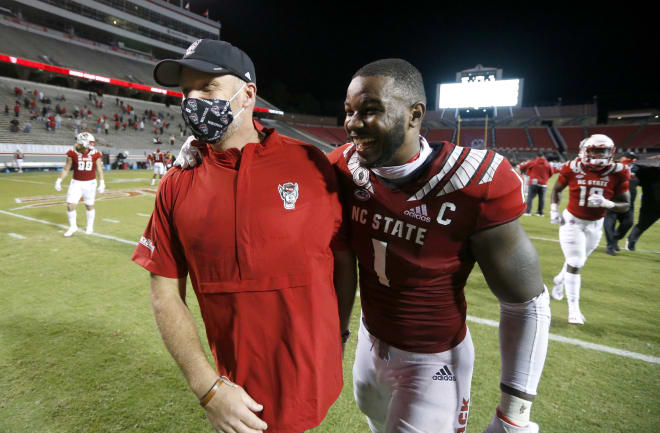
(592, 182)
(389, 225)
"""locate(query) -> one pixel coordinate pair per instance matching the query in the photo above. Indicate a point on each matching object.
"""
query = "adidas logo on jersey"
(419, 213)
(444, 374)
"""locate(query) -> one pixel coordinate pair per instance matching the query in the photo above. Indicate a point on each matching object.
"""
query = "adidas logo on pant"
(444, 374)
(419, 213)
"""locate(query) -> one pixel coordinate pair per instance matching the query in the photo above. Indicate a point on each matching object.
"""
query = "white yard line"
(27, 181)
(576, 342)
(143, 214)
(16, 236)
(600, 246)
(98, 235)
(111, 220)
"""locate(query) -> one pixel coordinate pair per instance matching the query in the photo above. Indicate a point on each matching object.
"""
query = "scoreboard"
(480, 88)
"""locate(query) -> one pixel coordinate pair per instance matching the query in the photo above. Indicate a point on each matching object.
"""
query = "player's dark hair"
(408, 80)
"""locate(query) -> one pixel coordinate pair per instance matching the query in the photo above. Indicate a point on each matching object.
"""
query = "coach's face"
(376, 121)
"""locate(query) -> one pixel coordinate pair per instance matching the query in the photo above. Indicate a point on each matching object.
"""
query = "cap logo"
(192, 47)
(247, 74)
(218, 69)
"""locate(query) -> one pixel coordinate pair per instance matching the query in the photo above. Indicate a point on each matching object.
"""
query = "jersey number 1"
(380, 258)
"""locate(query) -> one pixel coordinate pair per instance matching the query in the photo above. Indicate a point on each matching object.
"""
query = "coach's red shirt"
(253, 229)
(413, 242)
(83, 164)
(538, 170)
(608, 182)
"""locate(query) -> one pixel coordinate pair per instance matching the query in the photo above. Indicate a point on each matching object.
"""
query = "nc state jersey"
(158, 157)
(608, 182)
(83, 164)
(412, 242)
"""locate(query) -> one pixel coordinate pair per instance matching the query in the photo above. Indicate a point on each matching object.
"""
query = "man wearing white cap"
(86, 163)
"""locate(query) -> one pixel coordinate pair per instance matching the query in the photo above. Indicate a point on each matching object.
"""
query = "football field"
(80, 351)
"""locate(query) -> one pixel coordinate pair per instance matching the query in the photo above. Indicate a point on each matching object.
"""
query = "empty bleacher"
(439, 134)
(648, 137)
(541, 138)
(572, 136)
(511, 138)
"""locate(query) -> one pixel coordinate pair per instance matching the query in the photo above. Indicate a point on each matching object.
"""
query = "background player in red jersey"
(158, 159)
(86, 163)
(419, 217)
(595, 185)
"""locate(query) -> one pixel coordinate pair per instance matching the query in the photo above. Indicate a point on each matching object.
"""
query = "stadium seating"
(437, 135)
(572, 136)
(541, 138)
(648, 137)
(619, 134)
(331, 135)
(511, 138)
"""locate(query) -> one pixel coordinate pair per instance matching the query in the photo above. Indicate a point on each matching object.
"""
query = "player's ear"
(417, 112)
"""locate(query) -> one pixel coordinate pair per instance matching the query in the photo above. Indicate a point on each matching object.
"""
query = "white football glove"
(498, 425)
(58, 184)
(555, 216)
(597, 200)
(189, 155)
(101, 187)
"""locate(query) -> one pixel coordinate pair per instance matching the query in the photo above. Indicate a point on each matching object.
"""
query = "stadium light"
(479, 94)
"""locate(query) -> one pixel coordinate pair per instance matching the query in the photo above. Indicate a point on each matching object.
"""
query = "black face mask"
(208, 118)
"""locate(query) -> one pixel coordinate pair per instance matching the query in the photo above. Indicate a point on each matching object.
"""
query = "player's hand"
(58, 184)
(101, 187)
(555, 217)
(597, 200)
(232, 410)
(189, 155)
(498, 425)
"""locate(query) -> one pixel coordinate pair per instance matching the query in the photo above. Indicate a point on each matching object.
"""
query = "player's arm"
(555, 199)
(510, 265)
(230, 408)
(620, 203)
(345, 279)
(99, 173)
(65, 171)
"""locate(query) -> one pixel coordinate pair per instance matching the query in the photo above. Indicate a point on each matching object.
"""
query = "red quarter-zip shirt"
(253, 229)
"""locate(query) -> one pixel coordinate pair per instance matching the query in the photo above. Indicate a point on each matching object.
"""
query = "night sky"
(305, 54)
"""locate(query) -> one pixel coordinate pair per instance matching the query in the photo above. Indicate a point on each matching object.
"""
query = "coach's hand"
(498, 425)
(189, 155)
(232, 410)
(58, 184)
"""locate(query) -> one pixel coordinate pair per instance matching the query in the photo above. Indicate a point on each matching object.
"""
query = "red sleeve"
(159, 250)
(70, 153)
(624, 183)
(504, 200)
(525, 165)
(563, 175)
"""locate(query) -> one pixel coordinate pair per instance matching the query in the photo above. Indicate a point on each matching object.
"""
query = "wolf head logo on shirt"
(289, 194)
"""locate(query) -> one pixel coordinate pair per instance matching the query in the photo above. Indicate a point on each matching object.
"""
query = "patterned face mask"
(208, 118)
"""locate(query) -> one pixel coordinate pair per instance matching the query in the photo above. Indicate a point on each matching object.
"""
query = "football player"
(419, 217)
(595, 185)
(86, 163)
(158, 159)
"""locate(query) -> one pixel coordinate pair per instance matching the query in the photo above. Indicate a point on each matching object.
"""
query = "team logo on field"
(288, 194)
(362, 194)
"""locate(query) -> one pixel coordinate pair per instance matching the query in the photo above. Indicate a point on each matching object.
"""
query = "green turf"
(80, 352)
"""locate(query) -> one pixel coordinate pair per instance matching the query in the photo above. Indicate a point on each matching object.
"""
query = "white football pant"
(159, 168)
(407, 392)
(81, 188)
(579, 238)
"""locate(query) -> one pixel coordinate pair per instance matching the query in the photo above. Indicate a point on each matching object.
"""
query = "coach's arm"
(510, 265)
(231, 406)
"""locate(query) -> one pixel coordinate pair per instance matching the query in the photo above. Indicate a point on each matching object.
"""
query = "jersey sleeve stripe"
(446, 168)
(490, 171)
(465, 172)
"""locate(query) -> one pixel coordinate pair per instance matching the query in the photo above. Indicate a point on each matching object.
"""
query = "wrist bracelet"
(210, 393)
